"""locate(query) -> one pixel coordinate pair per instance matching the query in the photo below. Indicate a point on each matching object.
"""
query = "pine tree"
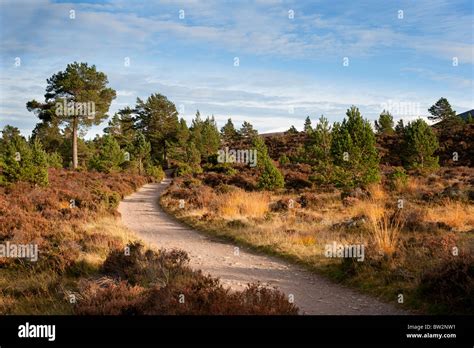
(39, 170)
(210, 141)
(122, 127)
(197, 125)
(157, 119)
(262, 151)
(385, 123)
(20, 161)
(79, 87)
(140, 151)
(308, 129)
(228, 132)
(271, 178)
(353, 150)
(109, 156)
(420, 143)
(292, 131)
(441, 111)
(317, 151)
(247, 131)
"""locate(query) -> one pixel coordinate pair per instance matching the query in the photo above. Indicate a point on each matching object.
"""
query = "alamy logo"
(21, 251)
(37, 331)
(246, 156)
(85, 109)
(345, 251)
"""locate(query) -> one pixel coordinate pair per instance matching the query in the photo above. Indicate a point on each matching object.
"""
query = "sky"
(269, 62)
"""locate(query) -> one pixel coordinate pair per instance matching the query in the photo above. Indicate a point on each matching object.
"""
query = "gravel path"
(312, 293)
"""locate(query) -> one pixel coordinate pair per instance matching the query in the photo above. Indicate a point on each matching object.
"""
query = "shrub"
(271, 178)
(163, 283)
(55, 160)
(185, 169)
(420, 143)
(240, 203)
(354, 152)
(398, 178)
(297, 181)
(109, 156)
(156, 172)
(283, 160)
(144, 268)
(22, 162)
(451, 284)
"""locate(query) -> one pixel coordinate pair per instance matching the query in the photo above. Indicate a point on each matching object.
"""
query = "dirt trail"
(312, 293)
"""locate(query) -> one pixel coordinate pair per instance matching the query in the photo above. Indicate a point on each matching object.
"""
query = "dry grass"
(238, 204)
(401, 244)
(457, 215)
(385, 231)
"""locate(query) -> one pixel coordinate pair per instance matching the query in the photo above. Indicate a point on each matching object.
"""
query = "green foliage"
(308, 129)
(247, 131)
(157, 119)
(109, 156)
(210, 138)
(122, 127)
(156, 172)
(292, 131)
(271, 178)
(54, 160)
(185, 169)
(469, 119)
(353, 151)
(49, 134)
(262, 151)
(317, 152)
(283, 160)
(140, 150)
(224, 168)
(420, 143)
(441, 111)
(228, 132)
(22, 162)
(79, 83)
(385, 123)
(398, 177)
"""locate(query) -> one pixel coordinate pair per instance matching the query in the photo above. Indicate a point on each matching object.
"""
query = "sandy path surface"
(312, 293)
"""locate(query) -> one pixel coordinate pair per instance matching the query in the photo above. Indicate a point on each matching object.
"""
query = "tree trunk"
(74, 142)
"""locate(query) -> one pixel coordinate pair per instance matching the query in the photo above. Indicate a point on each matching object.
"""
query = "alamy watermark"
(402, 108)
(245, 156)
(345, 251)
(20, 251)
(83, 109)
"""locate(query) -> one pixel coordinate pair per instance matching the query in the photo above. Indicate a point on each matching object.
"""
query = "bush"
(145, 268)
(185, 169)
(283, 160)
(22, 162)
(156, 172)
(297, 181)
(109, 156)
(224, 168)
(354, 152)
(271, 177)
(55, 160)
(163, 283)
(451, 284)
(398, 178)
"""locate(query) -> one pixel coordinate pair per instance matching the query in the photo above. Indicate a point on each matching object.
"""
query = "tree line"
(150, 135)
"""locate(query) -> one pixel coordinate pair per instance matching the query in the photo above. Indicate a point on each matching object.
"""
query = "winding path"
(312, 293)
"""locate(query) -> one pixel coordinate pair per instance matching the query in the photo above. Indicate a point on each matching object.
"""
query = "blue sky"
(288, 67)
